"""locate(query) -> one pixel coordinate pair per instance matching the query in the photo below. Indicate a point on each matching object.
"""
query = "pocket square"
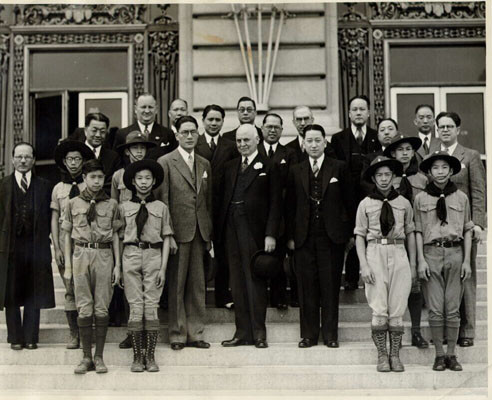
(262, 174)
(463, 166)
(333, 180)
(283, 161)
(204, 175)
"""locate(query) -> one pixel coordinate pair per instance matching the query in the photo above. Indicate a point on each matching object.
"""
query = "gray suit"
(189, 198)
(435, 145)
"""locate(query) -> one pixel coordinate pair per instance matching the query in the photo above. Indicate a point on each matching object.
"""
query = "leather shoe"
(200, 344)
(31, 346)
(452, 363)
(305, 343)
(350, 286)
(465, 342)
(261, 344)
(418, 341)
(127, 343)
(236, 342)
(177, 346)
(439, 364)
(331, 343)
(229, 306)
(16, 346)
(282, 307)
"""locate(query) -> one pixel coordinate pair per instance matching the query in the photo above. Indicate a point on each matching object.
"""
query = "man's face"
(386, 132)
(272, 130)
(143, 181)
(314, 143)
(302, 118)
(136, 152)
(96, 133)
(94, 181)
(213, 122)
(23, 158)
(424, 120)
(187, 136)
(403, 153)
(146, 109)
(246, 112)
(383, 178)
(178, 109)
(247, 140)
(73, 162)
(440, 172)
(448, 131)
(359, 112)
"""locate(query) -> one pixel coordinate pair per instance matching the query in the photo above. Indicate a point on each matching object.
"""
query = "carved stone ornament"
(164, 46)
(427, 10)
(163, 18)
(1, 9)
(4, 51)
(352, 45)
(86, 14)
(352, 15)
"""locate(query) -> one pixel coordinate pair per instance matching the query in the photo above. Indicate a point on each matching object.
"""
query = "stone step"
(347, 313)
(355, 353)
(318, 377)
(215, 333)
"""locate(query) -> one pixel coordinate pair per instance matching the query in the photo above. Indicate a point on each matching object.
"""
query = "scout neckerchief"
(74, 190)
(405, 188)
(386, 219)
(143, 214)
(434, 191)
(100, 196)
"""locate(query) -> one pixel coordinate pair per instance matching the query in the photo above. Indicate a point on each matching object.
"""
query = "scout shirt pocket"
(79, 216)
(373, 211)
(428, 218)
(103, 217)
(130, 222)
(154, 222)
(456, 217)
(399, 214)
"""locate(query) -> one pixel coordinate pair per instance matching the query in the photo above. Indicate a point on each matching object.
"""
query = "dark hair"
(360, 97)
(213, 107)
(92, 166)
(314, 127)
(245, 98)
(449, 114)
(185, 118)
(178, 99)
(273, 115)
(25, 144)
(387, 119)
(96, 117)
(424, 106)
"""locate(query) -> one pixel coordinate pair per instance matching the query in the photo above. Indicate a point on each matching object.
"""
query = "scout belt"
(87, 245)
(446, 243)
(387, 241)
(145, 245)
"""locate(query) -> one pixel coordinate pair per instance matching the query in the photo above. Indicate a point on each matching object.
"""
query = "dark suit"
(225, 151)
(111, 163)
(320, 232)
(231, 135)
(302, 155)
(435, 145)
(251, 210)
(347, 149)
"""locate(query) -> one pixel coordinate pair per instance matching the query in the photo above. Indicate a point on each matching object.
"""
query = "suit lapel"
(459, 152)
(304, 170)
(326, 175)
(35, 191)
(182, 168)
(199, 170)
(346, 144)
(253, 172)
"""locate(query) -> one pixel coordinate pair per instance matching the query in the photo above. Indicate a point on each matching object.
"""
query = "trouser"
(92, 274)
(319, 265)
(249, 294)
(388, 295)
(221, 289)
(69, 291)
(469, 301)
(278, 284)
(352, 266)
(187, 291)
(25, 330)
(140, 270)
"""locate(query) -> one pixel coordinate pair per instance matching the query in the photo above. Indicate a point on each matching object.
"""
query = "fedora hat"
(382, 161)
(453, 162)
(414, 141)
(133, 168)
(133, 138)
(66, 146)
(265, 265)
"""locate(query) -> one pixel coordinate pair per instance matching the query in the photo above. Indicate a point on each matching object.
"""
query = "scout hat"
(265, 265)
(133, 138)
(137, 166)
(414, 141)
(66, 146)
(453, 162)
(382, 161)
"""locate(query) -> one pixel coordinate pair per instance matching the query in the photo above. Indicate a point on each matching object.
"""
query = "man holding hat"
(69, 156)
(385, 221)
(443, 228)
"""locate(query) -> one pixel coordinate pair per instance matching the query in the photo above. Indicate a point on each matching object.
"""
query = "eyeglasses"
(270, 127)
(73, 159)
(20, 158)
(248, 110)
(188, 133)
(447, 127)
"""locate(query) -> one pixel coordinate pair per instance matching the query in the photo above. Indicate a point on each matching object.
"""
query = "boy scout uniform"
(418, 182)
(119, 191)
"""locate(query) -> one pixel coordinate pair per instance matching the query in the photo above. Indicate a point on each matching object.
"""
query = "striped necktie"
(315, 168)
(24, 185)
(244, 165)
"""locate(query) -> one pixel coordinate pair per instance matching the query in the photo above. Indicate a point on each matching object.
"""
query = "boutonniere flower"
(205, 176)
(283, 161)
(258, 165)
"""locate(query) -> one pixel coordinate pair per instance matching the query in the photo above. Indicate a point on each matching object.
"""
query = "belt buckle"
(384, 241)
(141, 245)
(440, 244)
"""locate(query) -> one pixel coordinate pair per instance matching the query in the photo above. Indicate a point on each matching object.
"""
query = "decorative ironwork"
(353, 48)
(427, 10)
(352, 15)
(79, 14)
(4, 70)
(163, 18)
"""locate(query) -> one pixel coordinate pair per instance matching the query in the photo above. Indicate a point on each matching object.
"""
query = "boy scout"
(69, 156)
(403, 149)
(443, 228)
(91, 220)
(145, 231)
(385, 219)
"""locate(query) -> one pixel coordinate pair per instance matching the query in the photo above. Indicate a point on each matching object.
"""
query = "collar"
(208, 138)
(363, 129)
(18, 177)
(428, 136)
(301, 141)
(267, 146)
(449, 149)
(185, 154)
(142, 126)
(173, 128)
(318, 160)
(251, 157)
(95, 150)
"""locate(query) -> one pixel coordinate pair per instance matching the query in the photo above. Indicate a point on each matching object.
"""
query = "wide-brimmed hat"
(133, 138)
(67, 146)
(265, 265)
(453, 162)
(133, 168)
(382, 161)
(414, 141)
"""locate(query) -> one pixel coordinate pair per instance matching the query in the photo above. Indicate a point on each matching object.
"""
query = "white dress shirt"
(95, 150)
(319, 161)
(363, 128)
(251, 157)
(449, 149)
(267, 147)
(18, 178)
(142, 127)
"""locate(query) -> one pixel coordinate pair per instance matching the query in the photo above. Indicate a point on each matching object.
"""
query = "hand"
(117, 276)
(465, 271)
(173, 247)
(67, 274)
(350, 244)
(424, 270)
(477, 234)
(367, 275)
(291, 245)
(161, 278)
(59, 257)
(269, 244)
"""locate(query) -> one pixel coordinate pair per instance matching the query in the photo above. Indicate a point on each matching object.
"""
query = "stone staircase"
(282, 368)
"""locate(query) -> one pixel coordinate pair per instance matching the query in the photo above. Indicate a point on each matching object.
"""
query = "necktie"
(213, 146)
(270, 152)
(24, 186)
(315, 168)
(426, 145)
(359, 137)
(446, 149)
(146, 131)
(190, 163)
(244, 165)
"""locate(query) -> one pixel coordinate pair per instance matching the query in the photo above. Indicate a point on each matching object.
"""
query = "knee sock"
(452, 335)
(415, 309)
(437, 333)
